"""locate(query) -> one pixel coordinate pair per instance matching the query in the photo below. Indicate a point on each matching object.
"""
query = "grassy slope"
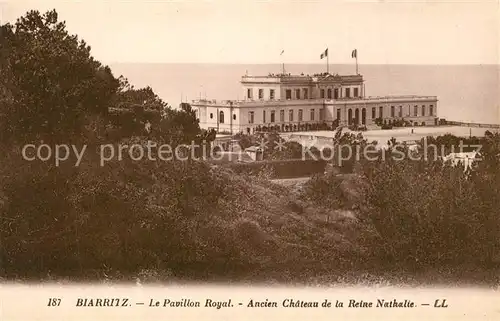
(289, 239)
(298, 241)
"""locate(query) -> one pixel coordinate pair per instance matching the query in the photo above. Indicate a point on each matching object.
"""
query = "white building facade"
(290, 102)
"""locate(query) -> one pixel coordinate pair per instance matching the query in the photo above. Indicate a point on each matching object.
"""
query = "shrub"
(71, 221)
(324, 190)
(427, 215)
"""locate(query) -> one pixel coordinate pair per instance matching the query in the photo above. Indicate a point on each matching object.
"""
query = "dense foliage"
(70, 220)
(426, 214)
(51, 80)
(188, 220)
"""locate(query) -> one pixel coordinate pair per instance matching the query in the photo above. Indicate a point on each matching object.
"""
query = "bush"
(427, 215)
(424, 216)
(324, 190)
(71, 221)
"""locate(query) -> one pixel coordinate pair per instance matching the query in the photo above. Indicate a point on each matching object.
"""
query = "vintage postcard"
(243, 160)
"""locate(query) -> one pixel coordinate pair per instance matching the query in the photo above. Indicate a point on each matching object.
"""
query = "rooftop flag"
(354, 54)
(324, 54)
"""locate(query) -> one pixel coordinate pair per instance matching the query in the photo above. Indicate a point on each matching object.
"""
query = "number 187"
(54, 302)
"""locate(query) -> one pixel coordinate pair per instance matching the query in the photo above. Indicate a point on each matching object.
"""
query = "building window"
(381, 112)
(431, 110)
(211, 116)
(338, 114)
(393, 113)
(321, 114)
(300, 114)
(290, 115)
(272, 116)
(356, 92)
(263, 116)
(221, 117)
(234, 116)
(415, 111)
(336, 93)
(282, 116)
(261, 93)
(250, 117)
(348, 92)
(423, 110)
(400, 111)
(306, 93)
(271, 94)
(312, 114)
(374, 113)
(329, 93)
(249, 93)
(297, 93)
(322, 93)
(288, 94)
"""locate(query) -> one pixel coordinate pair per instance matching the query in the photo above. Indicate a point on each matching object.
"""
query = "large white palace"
(288, 102)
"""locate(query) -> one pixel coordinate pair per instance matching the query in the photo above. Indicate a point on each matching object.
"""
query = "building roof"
(340, 101)
(309, 79)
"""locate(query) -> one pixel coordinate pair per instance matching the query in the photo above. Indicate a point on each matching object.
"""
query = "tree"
(52, 78)
(144, 98)
(246, 141)
(378, 121)
(181, 126)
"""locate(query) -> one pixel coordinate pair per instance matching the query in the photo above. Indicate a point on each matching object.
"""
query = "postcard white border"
(29, 302)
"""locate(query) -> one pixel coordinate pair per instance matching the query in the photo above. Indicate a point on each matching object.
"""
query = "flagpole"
(323, 55)
(357, 73)
(282, 61)
(327, 64)
(354, 55)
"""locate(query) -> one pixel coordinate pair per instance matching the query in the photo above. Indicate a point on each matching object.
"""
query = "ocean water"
(469, 93)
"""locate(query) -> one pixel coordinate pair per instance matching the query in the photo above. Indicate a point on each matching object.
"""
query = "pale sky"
(383, 32)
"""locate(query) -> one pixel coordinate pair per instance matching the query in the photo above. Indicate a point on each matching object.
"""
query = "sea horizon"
(467, 93)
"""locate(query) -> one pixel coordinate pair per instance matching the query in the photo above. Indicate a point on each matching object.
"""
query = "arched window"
(234, 116)
(221, 117)
(329, 93)
(349, 116)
